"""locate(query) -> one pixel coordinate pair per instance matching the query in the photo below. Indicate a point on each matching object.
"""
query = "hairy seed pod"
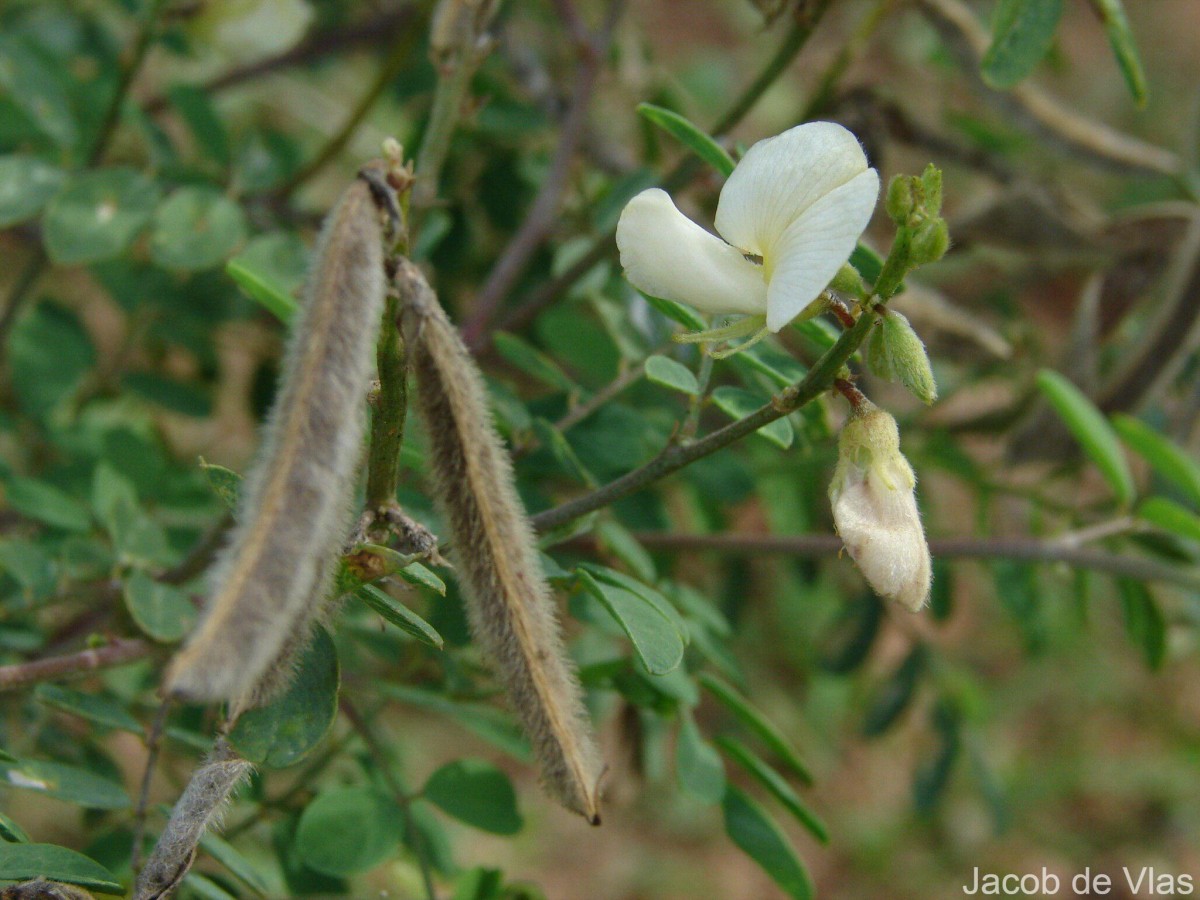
(271, 580)
(509, 604)
(198, 809)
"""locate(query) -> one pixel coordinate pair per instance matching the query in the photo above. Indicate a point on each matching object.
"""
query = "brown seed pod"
(272, 578)
(509, 603)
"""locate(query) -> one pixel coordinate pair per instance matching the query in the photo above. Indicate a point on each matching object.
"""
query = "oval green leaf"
(753, 830)
(196, 228)
(287, 729)
(97, 215)
(663, 370)
(1022, 33)
(26, 185)
(102, 710)
(1091, 429)
(162, 611)
(348, 831)
(34, 87)
(656, 640)
(477, 793)
(47, 504)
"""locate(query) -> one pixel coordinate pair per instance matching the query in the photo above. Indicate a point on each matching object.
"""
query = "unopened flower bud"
(930, 242)
(848, 281)
(900, 201)
(875, 508)
(897, 354)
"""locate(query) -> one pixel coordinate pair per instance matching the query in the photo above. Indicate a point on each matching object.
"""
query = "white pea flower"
(790, 215)
(875, 508)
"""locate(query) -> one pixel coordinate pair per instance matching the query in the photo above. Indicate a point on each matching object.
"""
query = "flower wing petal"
(666, 254)
(814, 247)
(781, 177)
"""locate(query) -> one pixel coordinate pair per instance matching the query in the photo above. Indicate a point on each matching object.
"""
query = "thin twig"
(676, 456)
(1022, 549)
(458, 44)
(543, 213)
(402, 797)
(378, 29)
(153, 744)
(402, 44)
(118, 653)
(112, 115)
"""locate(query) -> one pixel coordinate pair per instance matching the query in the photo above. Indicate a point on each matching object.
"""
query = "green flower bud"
(896, 353)
(900, 202)
(848, 281)
(930, 242)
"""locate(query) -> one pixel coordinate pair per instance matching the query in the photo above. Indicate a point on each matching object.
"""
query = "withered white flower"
(875, 508)
(790, 214)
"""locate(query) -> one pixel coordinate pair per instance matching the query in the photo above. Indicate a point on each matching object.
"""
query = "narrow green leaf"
(26, 185)
(399, 615)
(93, 707)
(1091, 429)
(12, 832)
(868, 263)
(620, 542)
(1022, 33)
(288, 728)
(677, 312)
(415, 573)
(1165, 457)
(233, 860)
(475, 792)
(495, 726)
(753, 830)
(697, 765)
(262, 289)
(1144, 622)
(196, 108)
(562, 451)
(776, 784)
(1120, 35)
(655, 638)
(689, 135)
(162, 611)
(25, 862)
(34, 86)
(670, 374)
(893, 697)
(347, 831)
(69, 783)
(1170, 516)
(757, 723)
(48, 504)
(737, 404)
(97, 215)
(532, 362)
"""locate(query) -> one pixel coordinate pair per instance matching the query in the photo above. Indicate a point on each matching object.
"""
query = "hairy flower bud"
(875, 508)
(897, 354)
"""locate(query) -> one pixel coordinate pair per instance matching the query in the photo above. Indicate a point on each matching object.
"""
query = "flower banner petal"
(666, 254)
(810, 252)
(781, 177)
